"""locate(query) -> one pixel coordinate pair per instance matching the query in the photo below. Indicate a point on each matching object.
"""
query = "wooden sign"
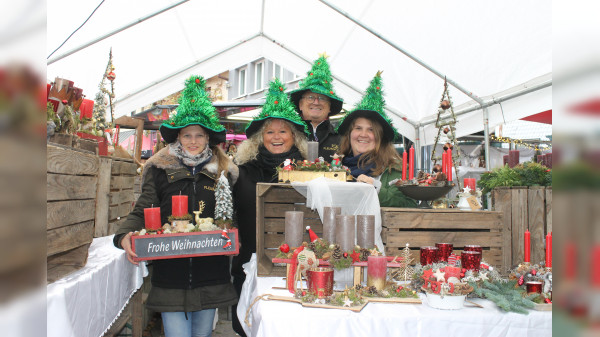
(473, 203)
(177, 245)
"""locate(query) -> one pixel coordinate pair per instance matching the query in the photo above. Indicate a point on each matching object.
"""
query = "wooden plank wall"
(272, 201)
(419, 227)
(71, 193)
(525, 208)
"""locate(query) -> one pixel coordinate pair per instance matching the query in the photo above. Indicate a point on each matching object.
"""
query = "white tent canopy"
(494, 50)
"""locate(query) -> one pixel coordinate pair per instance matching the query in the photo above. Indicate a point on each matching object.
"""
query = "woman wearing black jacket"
(275, 135)
(185, 290)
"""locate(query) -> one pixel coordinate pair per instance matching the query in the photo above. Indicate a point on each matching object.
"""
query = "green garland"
(526, 174)
(506, 295)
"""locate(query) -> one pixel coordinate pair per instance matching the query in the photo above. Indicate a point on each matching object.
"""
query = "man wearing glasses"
(316, 101)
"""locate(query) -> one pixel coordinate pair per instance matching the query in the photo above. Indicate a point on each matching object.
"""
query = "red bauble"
(345, 255)
(445, 104)
(311, 74)
(276, 102)
(547, 300)
(331, 92)
(280, 89)
(533, 272)
(111, 76)
(198, 81)
(284, 248)
(446, 130)
(377, 88)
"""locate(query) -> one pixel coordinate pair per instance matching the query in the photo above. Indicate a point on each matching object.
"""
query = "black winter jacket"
(329, 140)
(165, 176)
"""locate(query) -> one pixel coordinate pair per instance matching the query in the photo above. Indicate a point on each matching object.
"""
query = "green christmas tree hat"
(318, 80)
(277, 105)
(195, 108)
(371, 107)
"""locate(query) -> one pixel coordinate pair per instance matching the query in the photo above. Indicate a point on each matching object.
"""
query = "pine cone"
(337, 253)
(364, 254)
(371, 290)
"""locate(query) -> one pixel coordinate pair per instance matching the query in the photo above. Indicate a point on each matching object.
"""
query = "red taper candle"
(411, 163)
(527, 246)
(404, 159)
(549, 250)
(595, 272)
(179, 205)
(444, 162)
(449, 166)
(152, 218)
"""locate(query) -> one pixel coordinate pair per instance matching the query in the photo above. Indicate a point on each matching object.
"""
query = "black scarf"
(355, 170)
(268, 161)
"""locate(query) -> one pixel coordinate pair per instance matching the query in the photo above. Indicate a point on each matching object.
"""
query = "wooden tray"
(356, 308)
(394, 300)
(543, 307)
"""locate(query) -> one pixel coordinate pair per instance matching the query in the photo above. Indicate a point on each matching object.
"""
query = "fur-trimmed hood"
(164, 160)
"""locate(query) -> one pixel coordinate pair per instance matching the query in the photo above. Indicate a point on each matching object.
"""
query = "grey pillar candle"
(313, 151)
(294, 228)
(365, 231)
(329, 214)
(344, 231)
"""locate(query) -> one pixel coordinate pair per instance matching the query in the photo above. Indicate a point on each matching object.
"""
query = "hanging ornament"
(284, 248)
(446, 130)
(445, 104)
(111, 76)
(521, 280)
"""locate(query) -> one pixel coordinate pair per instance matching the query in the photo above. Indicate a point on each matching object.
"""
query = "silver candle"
(329, 214)
(294, 228)
(365, 231)
(345, 232)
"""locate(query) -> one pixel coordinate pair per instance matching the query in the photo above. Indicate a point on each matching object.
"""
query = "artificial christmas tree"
(224, 206)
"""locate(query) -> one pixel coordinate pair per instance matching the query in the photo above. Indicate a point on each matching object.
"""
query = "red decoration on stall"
(111, 76)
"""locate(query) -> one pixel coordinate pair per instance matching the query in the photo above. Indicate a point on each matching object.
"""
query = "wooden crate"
(115, 193)
(272, 201)
(72, 177)
(425, 227)
(302, 176)
(524, 208)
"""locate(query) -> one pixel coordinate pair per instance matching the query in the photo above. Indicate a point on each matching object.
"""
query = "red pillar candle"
(595, 272)
(527, 242)
(513, 158)
(376, 271)
(152, 218)
(429, 255)
(449, 165)
(444, 251)
(179, 205)
(404, 159)
(470, 182)
(504, 160)
(411, 163)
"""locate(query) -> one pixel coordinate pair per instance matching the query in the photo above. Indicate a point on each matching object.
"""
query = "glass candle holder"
(470, 260)
(429, 255)
(444, 251)
(473, 248)
(534, 287)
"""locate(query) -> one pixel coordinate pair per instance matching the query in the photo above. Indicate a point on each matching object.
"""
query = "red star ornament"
(355, 256)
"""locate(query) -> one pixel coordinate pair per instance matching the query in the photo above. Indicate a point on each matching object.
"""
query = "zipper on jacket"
(190, 274)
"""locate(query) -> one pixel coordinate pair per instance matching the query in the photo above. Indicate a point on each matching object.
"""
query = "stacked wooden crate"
(72, 176)
(524, 208)
(272, 201)
(426, 227)
(115, 193)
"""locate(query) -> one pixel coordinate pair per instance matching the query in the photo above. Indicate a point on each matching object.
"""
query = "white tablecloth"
(276, 318)
(86, 302)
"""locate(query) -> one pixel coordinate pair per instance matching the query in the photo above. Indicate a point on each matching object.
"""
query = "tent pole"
(417, 149)
(412, 57)
(118, 30)
(486, 138)
(527, 88)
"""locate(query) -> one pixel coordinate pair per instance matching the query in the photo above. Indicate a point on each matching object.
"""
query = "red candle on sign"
(180, 205)
(404, 158)
(152, 218)
(528, 246)
(449, 166)
(411, 162)
(595, 266)
(470, 182)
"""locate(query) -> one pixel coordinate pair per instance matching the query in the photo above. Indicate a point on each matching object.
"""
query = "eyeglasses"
(312, 98)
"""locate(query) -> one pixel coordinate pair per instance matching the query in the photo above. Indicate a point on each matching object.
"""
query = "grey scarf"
(177, 150)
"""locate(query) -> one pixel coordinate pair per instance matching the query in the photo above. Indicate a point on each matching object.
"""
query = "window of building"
(277, 71)
(259, 75)
(242, 82)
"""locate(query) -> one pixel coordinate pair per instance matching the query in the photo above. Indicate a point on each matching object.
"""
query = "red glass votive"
(473, 248)
(320, 281)
(470, 260)
(429, 255)
(444, 251)
(533, 287)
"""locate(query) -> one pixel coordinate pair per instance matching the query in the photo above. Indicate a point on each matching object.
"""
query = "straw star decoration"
(439, 275)
(347, 302)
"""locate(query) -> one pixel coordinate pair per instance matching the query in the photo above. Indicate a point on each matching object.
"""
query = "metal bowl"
(425, 193)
